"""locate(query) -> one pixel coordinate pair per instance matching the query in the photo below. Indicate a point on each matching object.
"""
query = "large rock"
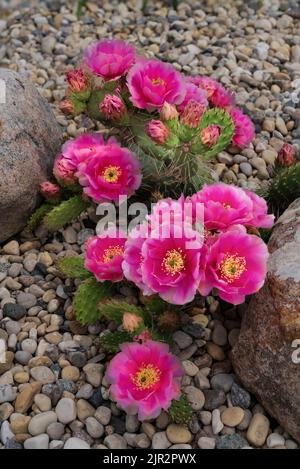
(29, 139)
(262, 357)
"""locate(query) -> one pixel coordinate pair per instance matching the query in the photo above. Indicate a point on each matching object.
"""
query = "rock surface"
(29, 139)
(271, 326)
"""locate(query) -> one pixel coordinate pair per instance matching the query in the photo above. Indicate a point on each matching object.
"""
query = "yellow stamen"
(146, 377)
(111, 173)
(111, 252)
(232, 267)
(158, 81)
(226, 205)
(173, 262)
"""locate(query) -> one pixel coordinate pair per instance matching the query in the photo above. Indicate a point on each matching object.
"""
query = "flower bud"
(157, 131)
(131, 322)
(168, 112)
(143, 337)
(112, 107)
(192, 113)
(286, 155)
(210, 135)
(64, 171)
(50, 191)
(79, 83)
(71, 106)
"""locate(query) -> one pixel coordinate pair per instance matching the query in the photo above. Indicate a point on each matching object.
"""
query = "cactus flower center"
(158, 81)
(111, 252)
(146, 377)
(232, 267)
(173, 262)
(111, 174)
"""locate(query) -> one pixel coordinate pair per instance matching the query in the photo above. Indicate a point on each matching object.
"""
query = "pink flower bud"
(210, 135)
(143, 337)
(168, 112)
(192, 113)
(286, 155)
(156, 130)
(50, 191)
(67, 107)
(64, 170)
(131, 322)
(78, 80)
(112, 107)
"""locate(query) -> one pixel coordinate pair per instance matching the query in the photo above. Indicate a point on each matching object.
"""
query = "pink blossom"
(260, 217)
(244, 129)
(193, 93)
(157, 131)
(210, 135)
(73, 153)
(235, 264)
(170, 264)
(286, 155)
(151, 83)
(104, 255)
(191, 114)
(50, 191)
(78, 80)
(110, 59)
(224, 205)
(110, 172)
(67, 107)
(112, 107)
(144, 378)
(215, 92)
(168, 112)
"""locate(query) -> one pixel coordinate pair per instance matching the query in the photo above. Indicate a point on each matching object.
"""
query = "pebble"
(14, 311)
(216, 423)
(232, 416)
(103, 415)
(115, 441)
(182, 339)
(195, 397)
(258, 430)
(26, 299)
(178, 434)
(7, 393)
(5, 432)
(205, 442)
(43, 374)
(43, 402)
(70, 373)
(94, 428)
(240, 397)
(234, 441)
(55, 430)
(213, 398)
(40, 422)
(25, 398)
(37, 442)
(222, 382)
(160, 441)
(76, 443)
(274, 439)
(66, 410)
(94, 373)
(12, 248)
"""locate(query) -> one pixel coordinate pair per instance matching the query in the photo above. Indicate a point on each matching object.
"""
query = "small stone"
(232, 416)
(234, 441)
(280, 125)
(66, 410)
(12, 248)
(24, 400)
(160, 441)
(29, 345)
(43, 402)
(195, 397)
(85, 392)
(190, 368)
(76, 443)
(258, 430)
(222, 381)
(246, 420)
(201, 381)
(269, 156)
(55, 430)
(219, 335)
(77, 359)
(215, 351)
(71, 373)
(213, 398)
(94, 428)
(274, 439)
(20, 424)
(7, 362)
(217, 425)
(240, 397)
(178, 434)
(7, 393)
(103, 415)
(132, 423)
(43, 374)
(94, 373)
(48, 44)
(84, 410)
(6, 409)
(142, 441)
(246, 168)
(14, 311)
(21, 377)
(182, 339)
(205, 442)
(40, 422)
(96, 399)
(37, 442)
(23, 357)
(115, 441)
(5, 432)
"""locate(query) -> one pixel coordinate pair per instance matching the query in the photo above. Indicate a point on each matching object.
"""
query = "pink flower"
(193, 93)
(144, 378)
(192, 113)
(235, 264)
(215, 92)
(168, 112)
(170, 264)
(73, 152)
(67, 107)
(169, 211)
(132, 263)
(244, 129)
(78, 80)
(260, 217)
(104, 255)
(110, 172)
(151, 83)
(210, 135)
(110, 59)
(224, 205)
(157, 131)
(112, 107)
(50, 191)
(286, 155)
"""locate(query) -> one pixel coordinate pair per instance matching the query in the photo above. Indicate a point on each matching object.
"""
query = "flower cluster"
(168, 254)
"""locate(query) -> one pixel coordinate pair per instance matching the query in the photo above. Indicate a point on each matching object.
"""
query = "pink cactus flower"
(110, 59)
(244, 129)
(210, 135)
(143, 337)
(168, 211)
(193, 93)
(73, 152)
(286, 155)
(78, 80)
(50, 191)
(224, 205)
(67, 107)
(217, 95)
(151, 83)
(112, 107)
(207, 84)
(260, 217)
(144, 378)
(170, 264)
(157, 131)
(192, 113)
(235, 264)
(168, 112)
(110, 172)
(132, 263)
(104, 255)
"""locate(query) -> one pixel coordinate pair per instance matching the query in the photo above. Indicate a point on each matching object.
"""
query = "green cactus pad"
(37, 216)
(73, 267)
(87, 298)
(112, 341)
(115, 309)
(181, 411)
(64, 213)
